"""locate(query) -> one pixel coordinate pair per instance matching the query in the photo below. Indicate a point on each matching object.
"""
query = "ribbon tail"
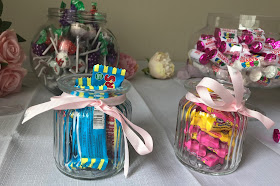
(126, 157)
(267, 122)
(38, 109)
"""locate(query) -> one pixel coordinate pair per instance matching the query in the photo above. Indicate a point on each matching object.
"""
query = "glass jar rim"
(243, 16)
(81, 14)
(66, 84)
(190, 86)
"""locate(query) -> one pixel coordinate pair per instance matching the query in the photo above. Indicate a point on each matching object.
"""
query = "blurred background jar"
(71, 42)
(249, 43)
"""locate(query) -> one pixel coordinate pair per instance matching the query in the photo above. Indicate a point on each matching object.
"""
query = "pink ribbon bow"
(67, 101)
(228, 103)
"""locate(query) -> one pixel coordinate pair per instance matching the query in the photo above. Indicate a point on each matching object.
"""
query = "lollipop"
(78, 30)
(63, 59)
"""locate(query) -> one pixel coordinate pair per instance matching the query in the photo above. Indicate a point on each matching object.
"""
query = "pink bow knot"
(228, 102)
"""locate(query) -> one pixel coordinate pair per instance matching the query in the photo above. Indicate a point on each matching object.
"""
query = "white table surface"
(26, 156)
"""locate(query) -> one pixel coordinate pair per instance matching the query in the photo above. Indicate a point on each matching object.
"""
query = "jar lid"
(67, 85)
(85, 16)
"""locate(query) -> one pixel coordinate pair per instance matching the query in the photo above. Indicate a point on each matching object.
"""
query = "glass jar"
(81, 40)
(208, 140)
(89, 144)
(249, 43)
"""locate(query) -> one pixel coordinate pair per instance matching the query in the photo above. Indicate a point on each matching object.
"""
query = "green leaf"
(62, 6)
(148, 60)
(146, 71)
(1, 7)
(5, 25)
(20, 39)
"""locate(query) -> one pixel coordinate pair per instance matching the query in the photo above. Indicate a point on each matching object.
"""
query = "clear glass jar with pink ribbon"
(211, 124)
(92, 129)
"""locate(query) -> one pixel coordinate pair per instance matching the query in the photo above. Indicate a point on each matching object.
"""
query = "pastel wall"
(141, 27)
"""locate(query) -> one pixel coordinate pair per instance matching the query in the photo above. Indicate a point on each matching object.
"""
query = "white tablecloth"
(26, 156)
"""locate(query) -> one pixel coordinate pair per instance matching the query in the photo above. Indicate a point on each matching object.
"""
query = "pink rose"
(10, 51)
(129, 64)
(11, 79)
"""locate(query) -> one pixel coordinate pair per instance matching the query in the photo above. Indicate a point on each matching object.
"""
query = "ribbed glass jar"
(81, 40)
(88, 144)
(207, 140)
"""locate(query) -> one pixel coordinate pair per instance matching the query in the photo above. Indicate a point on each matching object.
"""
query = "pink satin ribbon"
(228, 102)
(67, 101)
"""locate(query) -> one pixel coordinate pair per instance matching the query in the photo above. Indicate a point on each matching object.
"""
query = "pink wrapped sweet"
(205, 42)
(211, 159)
(203, 138)
(194, 147)
(222, 151)
(218, 58)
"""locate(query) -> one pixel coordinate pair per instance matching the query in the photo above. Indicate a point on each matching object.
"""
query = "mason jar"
(71, 42)
(89, 144)
(249, 43)
(208, 140)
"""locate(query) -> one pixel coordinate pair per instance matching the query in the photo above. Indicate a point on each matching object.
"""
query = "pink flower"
(10, 51)
(129, 64)
(11, 79)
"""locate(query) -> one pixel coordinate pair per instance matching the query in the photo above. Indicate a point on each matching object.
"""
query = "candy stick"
(55, 48)
(91, 51)
(96, 37)
(77, 52)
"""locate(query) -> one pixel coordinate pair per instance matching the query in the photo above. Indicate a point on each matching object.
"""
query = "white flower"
(160, 66)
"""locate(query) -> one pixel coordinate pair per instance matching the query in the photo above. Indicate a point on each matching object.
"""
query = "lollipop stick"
(45, 80)
(54, 45)
(77, 52)
(51, 32)
(56, 39)
(72, 71)
(86, 64)
(91, 51)
(96, 37)
(40, 57)
(39, 64)
(104, 60)
(41, 71)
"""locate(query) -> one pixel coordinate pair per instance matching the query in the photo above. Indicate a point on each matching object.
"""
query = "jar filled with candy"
(88, 143)
(249, 43)
(209, 140)
(72, 42)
